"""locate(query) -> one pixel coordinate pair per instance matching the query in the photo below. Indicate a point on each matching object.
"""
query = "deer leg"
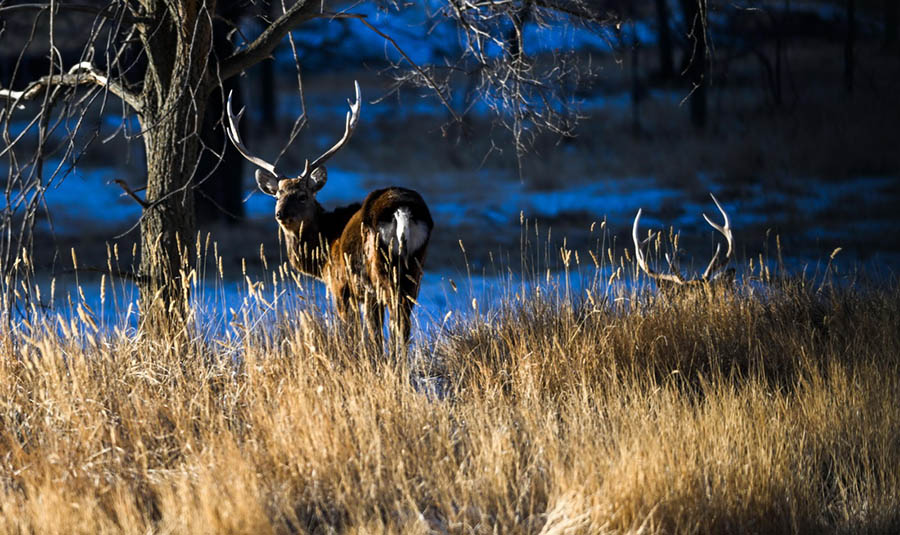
(342, 302)
(404, 301)
(404, 322)
(373, 311)
(400, 325)
(347, 307)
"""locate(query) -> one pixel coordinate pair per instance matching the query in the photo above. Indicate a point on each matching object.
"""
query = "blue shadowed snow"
(109, 123)
(113, 122)
(80, 197)
(332, 111)
(432, 40)
(325, 43)
(19, 127)
(502, 202)
(89, 195)
(84, 198)
(562, 36)
(224, 308)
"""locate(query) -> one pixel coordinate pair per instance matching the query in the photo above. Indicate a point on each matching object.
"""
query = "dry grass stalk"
(770, 410)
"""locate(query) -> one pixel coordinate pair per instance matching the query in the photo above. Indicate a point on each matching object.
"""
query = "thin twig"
(388, 38)
(124, 185)
(105, 11)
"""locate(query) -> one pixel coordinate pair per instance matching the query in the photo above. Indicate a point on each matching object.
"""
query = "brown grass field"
(774, 408)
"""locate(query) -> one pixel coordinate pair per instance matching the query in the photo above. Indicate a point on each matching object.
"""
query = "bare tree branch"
(418, 69)
(262, 46)
(528, 92)
(586, 11)
(124, 185)
(81, 73)
(107, 11)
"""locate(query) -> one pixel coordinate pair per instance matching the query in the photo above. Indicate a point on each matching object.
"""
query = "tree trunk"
(781, 41)
(666, 61)
(635, 82)
(849, 44)
(221, 169)
(268, 96)
(175, 92)
(167, 228)
(891, 21)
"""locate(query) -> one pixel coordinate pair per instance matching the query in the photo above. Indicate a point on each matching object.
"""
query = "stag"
(369, 254)
(713, 273)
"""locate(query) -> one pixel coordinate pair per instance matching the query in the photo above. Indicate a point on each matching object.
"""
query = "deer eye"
(295, 197)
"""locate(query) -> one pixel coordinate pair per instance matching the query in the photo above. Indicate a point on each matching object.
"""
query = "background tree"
(849, 44)
(175, 41)
(891, 22)
(666, 60)
(219, 191)
(168, 61)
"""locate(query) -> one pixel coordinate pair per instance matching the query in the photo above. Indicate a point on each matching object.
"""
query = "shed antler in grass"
(716, 264)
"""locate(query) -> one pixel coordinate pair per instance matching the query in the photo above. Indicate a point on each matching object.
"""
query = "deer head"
(296, 207)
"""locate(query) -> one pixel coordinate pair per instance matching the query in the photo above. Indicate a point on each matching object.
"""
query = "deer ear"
(317, 179)
(267, 182)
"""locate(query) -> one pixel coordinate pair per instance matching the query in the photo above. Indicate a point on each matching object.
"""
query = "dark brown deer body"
(370, 254)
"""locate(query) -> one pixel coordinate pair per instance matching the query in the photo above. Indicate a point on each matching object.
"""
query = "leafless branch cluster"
(61, 61)
(510, 72)
(47, 123)
(162, 64)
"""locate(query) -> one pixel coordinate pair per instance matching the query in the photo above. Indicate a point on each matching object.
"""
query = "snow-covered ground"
(230, 309)
(86, 198)
(808, 210)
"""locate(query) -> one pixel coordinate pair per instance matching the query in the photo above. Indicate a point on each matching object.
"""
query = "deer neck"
(309, 250)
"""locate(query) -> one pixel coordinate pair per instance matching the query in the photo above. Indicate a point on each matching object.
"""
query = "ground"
(799, 182)
(548, 389)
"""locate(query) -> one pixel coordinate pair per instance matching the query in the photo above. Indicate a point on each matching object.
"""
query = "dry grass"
(771, 409)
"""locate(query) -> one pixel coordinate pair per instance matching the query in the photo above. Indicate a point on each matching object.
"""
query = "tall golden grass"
(771, 409)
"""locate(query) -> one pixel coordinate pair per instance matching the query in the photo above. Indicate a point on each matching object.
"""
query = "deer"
(712, 276)
(370, 253)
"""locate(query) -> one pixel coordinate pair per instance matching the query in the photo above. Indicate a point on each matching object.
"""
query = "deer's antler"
(715, 264)
(234, 135)
(349, 126)
(674, 278)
